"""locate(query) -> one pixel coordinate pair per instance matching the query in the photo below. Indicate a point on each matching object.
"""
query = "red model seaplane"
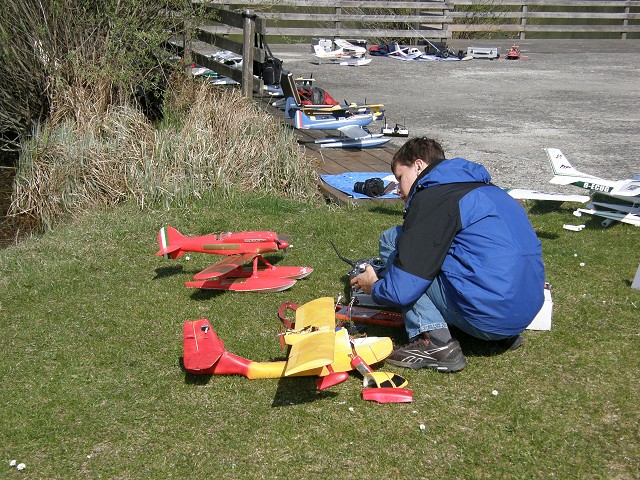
(239, 248)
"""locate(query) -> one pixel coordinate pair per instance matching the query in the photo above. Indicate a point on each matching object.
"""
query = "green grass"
(93, 388)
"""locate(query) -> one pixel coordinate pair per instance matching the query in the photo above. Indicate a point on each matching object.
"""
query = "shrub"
(214, 140)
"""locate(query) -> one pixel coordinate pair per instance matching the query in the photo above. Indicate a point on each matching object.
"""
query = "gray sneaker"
(422, 353)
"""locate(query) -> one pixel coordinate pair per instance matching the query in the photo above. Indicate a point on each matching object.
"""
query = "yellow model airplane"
(317, 347)
(294, 103)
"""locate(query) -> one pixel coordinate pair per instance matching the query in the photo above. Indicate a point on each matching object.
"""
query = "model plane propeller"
(627, 191)
(317, 348)
(239, 249)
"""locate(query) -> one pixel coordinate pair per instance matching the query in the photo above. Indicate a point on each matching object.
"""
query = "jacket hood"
(455, 170)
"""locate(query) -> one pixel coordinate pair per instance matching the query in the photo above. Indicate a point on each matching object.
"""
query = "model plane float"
(621, 197)
(316, 348)
(239, 249)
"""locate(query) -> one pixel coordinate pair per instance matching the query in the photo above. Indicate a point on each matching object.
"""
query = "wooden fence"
(198, 40)
(438, 19)
(442, 19)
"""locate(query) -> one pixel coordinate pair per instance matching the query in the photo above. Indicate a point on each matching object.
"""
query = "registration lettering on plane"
(597, 187)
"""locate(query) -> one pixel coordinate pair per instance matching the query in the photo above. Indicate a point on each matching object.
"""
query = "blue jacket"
(479, 242)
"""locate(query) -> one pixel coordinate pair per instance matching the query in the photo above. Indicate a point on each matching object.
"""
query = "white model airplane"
(345, 50)
(627, 191)
(404, 53)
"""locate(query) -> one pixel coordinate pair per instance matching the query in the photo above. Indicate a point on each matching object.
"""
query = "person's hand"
(365, 280)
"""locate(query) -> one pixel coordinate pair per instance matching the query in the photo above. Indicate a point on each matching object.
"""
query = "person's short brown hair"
(424, 148)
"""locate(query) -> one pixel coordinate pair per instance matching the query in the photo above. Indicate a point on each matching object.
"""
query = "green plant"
(93, 385)
(59, 57)
(213, 141)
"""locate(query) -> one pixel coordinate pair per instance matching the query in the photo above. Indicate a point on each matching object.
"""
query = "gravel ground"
(580, 96)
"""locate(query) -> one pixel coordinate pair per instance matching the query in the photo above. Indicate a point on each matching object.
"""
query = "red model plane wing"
(225, 266)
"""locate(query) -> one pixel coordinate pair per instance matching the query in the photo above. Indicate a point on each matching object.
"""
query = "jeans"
(434, 309)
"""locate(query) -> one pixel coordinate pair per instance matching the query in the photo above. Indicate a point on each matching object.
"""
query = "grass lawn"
(93, 386)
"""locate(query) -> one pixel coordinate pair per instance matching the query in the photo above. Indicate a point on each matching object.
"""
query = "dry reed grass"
(93, 154)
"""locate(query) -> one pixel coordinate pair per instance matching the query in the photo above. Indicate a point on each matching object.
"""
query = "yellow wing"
(375, 109)
(313, 338)
(317, 313)
(313, 351)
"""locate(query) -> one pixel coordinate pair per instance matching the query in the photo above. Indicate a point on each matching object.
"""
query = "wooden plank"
(436, 5)
(545, 15)
(235, 19)
(553, 3)
(544, 28)
(340, 4)
(347, 32)
(371, 19)
(206, 35)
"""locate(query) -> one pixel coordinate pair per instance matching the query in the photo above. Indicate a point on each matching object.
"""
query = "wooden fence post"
(248, 32)
(448, 6)
(523, 22)
(186, 44)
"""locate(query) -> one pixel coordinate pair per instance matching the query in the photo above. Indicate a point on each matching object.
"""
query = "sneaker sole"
(444, 368)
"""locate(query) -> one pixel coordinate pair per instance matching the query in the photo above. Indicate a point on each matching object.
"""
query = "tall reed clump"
(47, 47)
(217, 142)
(224, 142)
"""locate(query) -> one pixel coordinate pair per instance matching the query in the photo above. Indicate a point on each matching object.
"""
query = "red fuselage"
(235, 243)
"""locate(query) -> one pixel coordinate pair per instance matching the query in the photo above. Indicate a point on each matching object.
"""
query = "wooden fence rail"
(436, 19)
(442, 19)
(251, 46)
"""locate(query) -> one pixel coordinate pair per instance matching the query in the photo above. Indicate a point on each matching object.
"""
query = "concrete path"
(580, 96)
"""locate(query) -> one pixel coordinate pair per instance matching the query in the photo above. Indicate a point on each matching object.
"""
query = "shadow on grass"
(388, 210)
(290, 391)
(299, 390)
(205, 294)
(192, 379)
(475, 347)
(163, 272)
(547, 235)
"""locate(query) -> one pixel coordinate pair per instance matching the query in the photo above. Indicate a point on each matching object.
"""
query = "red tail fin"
(170, 242)
(202, 347)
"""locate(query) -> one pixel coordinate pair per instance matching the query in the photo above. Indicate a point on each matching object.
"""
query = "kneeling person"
(466, 255)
